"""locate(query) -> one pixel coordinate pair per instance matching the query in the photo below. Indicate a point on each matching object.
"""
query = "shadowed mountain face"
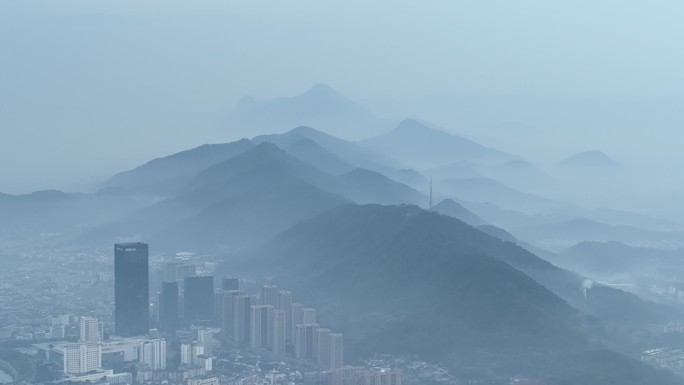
(163, 174)
(248, 199)
(454, 209)
(311, 152)
(320, 106)
(420, 146)
(401, 248)
(450, 290)
(351, 152)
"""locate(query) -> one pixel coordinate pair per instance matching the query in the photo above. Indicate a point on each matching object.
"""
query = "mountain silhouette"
(452, 292)
(589, 159)
(418, 145)
(320, 106)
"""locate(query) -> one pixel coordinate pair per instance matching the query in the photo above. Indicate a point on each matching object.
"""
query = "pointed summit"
(322, 90)
(321, 107)
(589, 159)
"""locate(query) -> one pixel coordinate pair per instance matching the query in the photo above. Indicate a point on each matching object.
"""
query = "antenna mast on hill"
(430, 194)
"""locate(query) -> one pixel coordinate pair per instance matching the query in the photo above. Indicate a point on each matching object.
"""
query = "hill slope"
(449, 290)
(172, 171)
(247, 200)
(420, 146)
(454, 209)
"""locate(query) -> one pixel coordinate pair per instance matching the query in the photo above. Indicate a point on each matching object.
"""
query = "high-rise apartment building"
(206, 338)
(89, 330)
(153, 353)
(224, 310)
(305, 336)
(82, 358)
(261, 326)
(336, 351)
(242, 305)
(322, 347)
(269, 295)
(277, 341)
(285, 304)
(296, 318)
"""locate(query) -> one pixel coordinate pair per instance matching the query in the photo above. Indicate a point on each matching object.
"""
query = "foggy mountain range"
(350, 223)
(472, 193)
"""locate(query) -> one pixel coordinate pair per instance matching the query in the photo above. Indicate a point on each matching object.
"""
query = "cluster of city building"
(169, 309)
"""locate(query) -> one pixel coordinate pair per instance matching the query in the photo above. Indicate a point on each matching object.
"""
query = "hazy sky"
(88, 88)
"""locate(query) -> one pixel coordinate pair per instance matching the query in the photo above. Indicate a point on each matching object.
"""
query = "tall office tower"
(153, 353)
(242, 305)
(261, 326)
(322, 347)
(336, 351)
(296, 318)
(168, 307)
(90, 330)
(269, 295)
(225, 310)
(304, 341)
(277, 341)
(131, 289)
(230, 284)
(206, 338)
(198, 299)
(82, 358)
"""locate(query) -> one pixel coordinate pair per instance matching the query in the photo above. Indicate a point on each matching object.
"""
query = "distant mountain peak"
(322, 89)
(454, 209)
(306, 130)
(320, 106)
(267, 148)
(592, 158)
(422, 146)
(413, 125)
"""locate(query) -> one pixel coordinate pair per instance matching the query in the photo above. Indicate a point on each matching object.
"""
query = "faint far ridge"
(589, 159)
(321, 107)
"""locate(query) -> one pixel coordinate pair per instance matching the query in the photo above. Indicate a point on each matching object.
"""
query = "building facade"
(131, 289)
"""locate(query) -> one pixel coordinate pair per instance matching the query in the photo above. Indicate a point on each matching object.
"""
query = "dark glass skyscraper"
(198, 299)
(168, 306)
(131, 289)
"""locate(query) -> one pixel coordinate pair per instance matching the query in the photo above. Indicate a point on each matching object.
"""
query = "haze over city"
(341, 193)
